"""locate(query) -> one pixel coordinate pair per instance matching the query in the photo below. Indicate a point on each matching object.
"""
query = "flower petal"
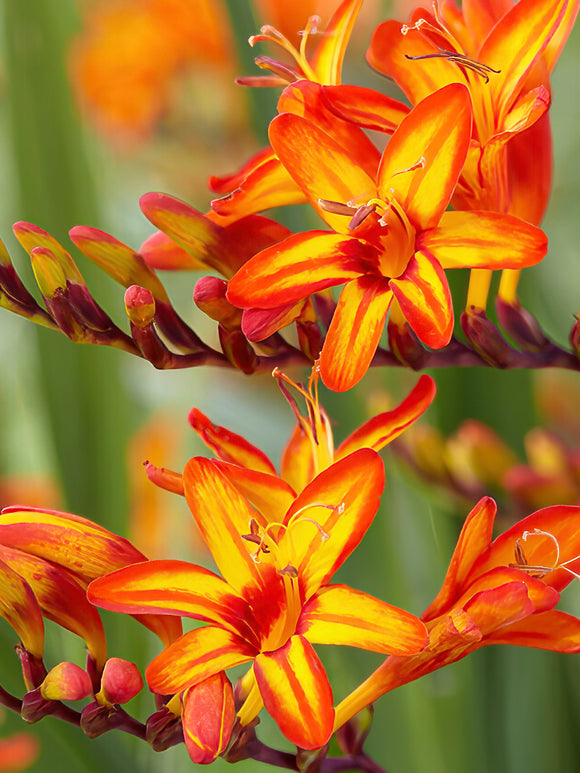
(473, 541)
(338, 614)
(296, 692)
(229, 446)
(302, 264)
(383, 429)
(339, 506)
(424, 158)
(60, 598)
(329, 54)
(389, 52)
(266, 186)
(515, 44)
(484, 240)
(551, 630)
(552, 533)
(20, 609)
(223, 515)
(269, 494)
(366, 107)
(425, 300)
(321, 166)
(355, 332)
(173, 588)
(195, 656)
(85, 548)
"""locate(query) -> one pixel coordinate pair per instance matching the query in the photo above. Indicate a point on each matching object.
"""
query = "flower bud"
(121, 681)
(66, 682)
(140, 306)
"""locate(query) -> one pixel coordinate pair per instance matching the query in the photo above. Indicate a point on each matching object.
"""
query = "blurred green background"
(70, 412)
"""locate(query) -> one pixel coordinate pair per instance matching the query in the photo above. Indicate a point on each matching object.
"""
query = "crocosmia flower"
(500, 592)
(391, 237)
(273, 600)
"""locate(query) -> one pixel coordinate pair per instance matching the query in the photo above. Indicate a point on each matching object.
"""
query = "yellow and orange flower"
(392, 238)
(500, 592)
(274, 600)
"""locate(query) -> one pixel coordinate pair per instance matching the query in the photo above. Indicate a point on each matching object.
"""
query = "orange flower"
(274, 600)
(126, 61)
(504, 54)
(392, 237)
(500, 592)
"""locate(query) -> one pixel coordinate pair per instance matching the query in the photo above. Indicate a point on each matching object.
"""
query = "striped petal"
(20, 609)
(333, 513)
(329, 54)
(229, 446)
(296, 692)
(355, 332)
(60, 598)
(269, 494)
(267, 186)
(223, 515)
(425, 300)
(338, 614)
(194, 657)
(383, 429)
(321, 166)
(484, 240)
(425, 156)
(85, 548)
(173, 588)
(515, 44)
(301, 265)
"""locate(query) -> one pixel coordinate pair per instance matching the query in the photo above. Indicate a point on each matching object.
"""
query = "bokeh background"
(103, 100)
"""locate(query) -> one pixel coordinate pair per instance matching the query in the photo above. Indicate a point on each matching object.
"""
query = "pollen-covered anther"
(289, 571)
(461, 60)
(312, 26)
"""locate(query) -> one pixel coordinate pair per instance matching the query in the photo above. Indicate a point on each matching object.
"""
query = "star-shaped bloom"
(503, 54)
(500, 592)
(273, 600)
(392, 237)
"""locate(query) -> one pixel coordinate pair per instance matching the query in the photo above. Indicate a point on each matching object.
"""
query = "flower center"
(286, 546)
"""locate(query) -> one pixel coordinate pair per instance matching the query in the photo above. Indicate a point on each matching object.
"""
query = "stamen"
(311, 29)
(420, 164)
(336, 207)
(461, 60)
(539, 571)
(289, 571)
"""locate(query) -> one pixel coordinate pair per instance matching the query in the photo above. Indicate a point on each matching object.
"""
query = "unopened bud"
(121, 681)
(140, 306)
(209, 295)
(66, 682)
(163, 729)
(521, 326)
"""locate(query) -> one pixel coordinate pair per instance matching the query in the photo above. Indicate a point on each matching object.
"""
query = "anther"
(461, 60)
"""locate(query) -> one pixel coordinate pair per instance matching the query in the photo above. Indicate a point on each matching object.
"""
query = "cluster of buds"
(474, 459)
